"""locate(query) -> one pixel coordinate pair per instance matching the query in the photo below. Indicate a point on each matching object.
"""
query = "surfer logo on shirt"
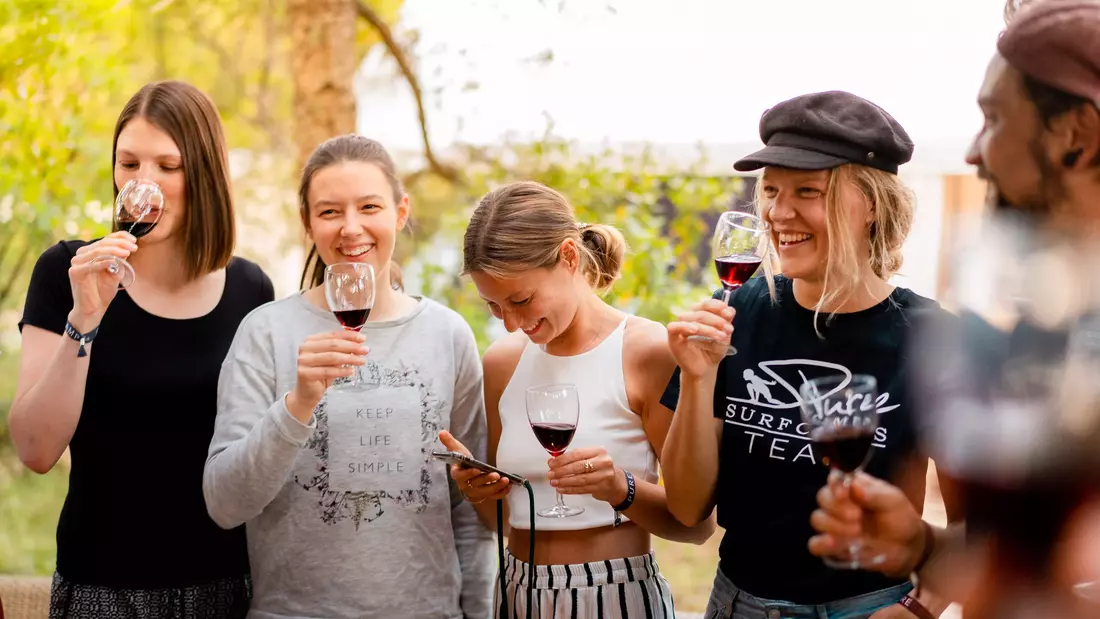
(770, 416)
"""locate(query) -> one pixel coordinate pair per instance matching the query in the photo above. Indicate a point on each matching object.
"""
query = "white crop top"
(605, 421)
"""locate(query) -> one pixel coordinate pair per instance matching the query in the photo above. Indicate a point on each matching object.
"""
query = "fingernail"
(553, 482)
(364, 349)
(360, 337)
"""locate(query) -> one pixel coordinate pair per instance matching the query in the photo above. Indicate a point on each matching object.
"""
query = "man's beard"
(1042, 202)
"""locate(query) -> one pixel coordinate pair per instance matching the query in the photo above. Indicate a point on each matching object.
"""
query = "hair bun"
(606, 247)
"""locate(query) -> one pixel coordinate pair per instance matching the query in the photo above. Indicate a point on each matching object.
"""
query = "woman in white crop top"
(539, 271)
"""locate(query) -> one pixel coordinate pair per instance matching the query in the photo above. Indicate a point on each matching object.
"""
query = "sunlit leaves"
(659, 211)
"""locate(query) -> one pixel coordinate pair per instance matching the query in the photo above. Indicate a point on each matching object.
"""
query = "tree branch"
(398, 53)
(263, 94)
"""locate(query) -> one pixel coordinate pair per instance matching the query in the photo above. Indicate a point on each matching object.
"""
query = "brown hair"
(333, 151)
(892, 206)
(522, 226)
(191, 119)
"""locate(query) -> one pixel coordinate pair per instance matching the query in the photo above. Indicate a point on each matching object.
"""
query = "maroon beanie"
(1057, 42)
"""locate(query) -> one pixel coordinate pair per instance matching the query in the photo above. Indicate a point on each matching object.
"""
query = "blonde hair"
(891, 204)
(522, 226)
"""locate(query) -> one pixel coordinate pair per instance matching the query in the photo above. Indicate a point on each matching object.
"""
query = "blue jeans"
(729, 602)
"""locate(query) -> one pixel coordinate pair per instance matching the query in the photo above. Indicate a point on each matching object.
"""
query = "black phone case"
(458, 459)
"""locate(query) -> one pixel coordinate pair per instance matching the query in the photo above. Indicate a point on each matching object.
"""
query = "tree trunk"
(323, 60)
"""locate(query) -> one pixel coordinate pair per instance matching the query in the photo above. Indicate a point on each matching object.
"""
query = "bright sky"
(702, 71)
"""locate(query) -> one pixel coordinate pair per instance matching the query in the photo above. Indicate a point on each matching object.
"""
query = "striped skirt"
(617, 589)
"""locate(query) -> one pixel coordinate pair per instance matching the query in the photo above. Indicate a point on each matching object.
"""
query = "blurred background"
(635, 109)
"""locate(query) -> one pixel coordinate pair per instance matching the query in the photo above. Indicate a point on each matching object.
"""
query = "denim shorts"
(729, 602)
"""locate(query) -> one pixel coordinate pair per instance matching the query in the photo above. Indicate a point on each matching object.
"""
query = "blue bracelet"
(629, 500)
(83, 338)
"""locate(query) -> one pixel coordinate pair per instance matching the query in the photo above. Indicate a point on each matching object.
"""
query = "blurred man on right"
(1039, 150)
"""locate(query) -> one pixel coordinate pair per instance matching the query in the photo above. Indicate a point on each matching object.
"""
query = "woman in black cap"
(838, 216)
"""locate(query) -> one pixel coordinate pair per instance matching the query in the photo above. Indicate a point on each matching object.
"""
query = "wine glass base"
(561, 511)
(857, 561)
(355, 387)
(730, 350)
(120, 269)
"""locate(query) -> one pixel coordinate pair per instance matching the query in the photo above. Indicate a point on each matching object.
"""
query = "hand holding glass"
(138, 208)
(552, 411)
(842, 414)
(349, 290)
(739, 245)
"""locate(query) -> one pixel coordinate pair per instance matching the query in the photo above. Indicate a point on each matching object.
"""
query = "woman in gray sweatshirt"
(347, 514)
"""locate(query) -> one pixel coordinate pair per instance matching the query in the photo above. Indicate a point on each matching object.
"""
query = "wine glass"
(349, 289)
(138, 208)
(739, 245)
(842, 415)
(552, 411)
(1010, 401)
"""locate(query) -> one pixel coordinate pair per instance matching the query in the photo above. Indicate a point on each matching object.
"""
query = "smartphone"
(457, 459)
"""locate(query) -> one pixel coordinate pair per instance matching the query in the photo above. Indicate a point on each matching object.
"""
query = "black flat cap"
(824, 130)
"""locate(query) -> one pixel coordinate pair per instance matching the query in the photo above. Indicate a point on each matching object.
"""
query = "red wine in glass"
(740, 245)
(352, 320)
(139, 228)
(846, 448)
(138, 208)
(555, 437)
(841, 411)
(349, 290)
(735, 270)
(552, 411)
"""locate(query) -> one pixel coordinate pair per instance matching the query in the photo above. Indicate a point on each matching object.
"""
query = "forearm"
(935, 575)
(689, 459)
(42, 420)
(650, 511)
(243, 475)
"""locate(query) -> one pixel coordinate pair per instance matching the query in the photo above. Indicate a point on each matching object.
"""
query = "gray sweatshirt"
(349, 516)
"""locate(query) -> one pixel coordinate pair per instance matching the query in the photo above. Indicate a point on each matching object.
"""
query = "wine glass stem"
(726, 292)
(854, 543)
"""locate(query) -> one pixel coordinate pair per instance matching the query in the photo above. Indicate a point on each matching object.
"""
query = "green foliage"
(59, 85)
(661, 274)
(67, 68)
(29, 511)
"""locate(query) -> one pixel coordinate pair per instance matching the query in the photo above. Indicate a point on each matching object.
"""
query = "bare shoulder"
(645, 340)
(645, 351)
(503, 355)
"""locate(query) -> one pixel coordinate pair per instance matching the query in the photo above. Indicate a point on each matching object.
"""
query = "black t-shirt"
(769, 473)
(135, 516)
